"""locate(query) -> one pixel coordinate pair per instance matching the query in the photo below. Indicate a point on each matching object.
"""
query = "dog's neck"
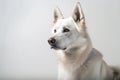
(68, 62)
(73, 57)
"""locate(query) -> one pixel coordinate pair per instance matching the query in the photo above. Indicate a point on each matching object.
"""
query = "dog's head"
(68, 32)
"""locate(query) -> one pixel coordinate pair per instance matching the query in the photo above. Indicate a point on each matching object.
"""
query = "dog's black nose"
(51, 41)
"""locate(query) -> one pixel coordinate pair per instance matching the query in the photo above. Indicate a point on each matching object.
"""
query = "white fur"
(77, 59)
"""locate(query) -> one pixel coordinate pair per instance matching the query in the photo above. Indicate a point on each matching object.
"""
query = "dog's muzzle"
(53, 44)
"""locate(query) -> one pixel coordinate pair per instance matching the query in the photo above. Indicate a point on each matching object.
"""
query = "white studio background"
(25, 27)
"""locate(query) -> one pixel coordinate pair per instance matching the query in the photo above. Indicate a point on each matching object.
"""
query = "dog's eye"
(55, 31)
(66, 30)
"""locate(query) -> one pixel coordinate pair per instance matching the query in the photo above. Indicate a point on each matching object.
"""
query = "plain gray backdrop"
(25, 27)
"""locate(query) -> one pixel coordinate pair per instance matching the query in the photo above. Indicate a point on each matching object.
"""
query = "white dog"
(77, 59)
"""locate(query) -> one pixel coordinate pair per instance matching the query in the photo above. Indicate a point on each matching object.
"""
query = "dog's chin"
(57, 48)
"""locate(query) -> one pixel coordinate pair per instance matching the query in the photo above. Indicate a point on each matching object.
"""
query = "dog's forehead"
(67, 22)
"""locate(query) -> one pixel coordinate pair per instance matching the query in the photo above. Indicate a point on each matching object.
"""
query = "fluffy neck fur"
(72, 59)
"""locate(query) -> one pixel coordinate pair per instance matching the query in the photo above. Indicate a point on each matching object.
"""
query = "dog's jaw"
(57, 48)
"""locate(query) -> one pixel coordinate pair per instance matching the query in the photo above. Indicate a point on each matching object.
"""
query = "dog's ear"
(78, 15)
(57, 15)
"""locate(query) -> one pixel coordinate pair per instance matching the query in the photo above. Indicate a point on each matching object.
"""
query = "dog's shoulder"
(94, 58)
(95, 54)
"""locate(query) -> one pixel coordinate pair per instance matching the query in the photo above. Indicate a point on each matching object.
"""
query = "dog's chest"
(64, 74)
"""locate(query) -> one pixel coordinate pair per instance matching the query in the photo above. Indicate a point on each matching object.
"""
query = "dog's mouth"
(57, 48)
